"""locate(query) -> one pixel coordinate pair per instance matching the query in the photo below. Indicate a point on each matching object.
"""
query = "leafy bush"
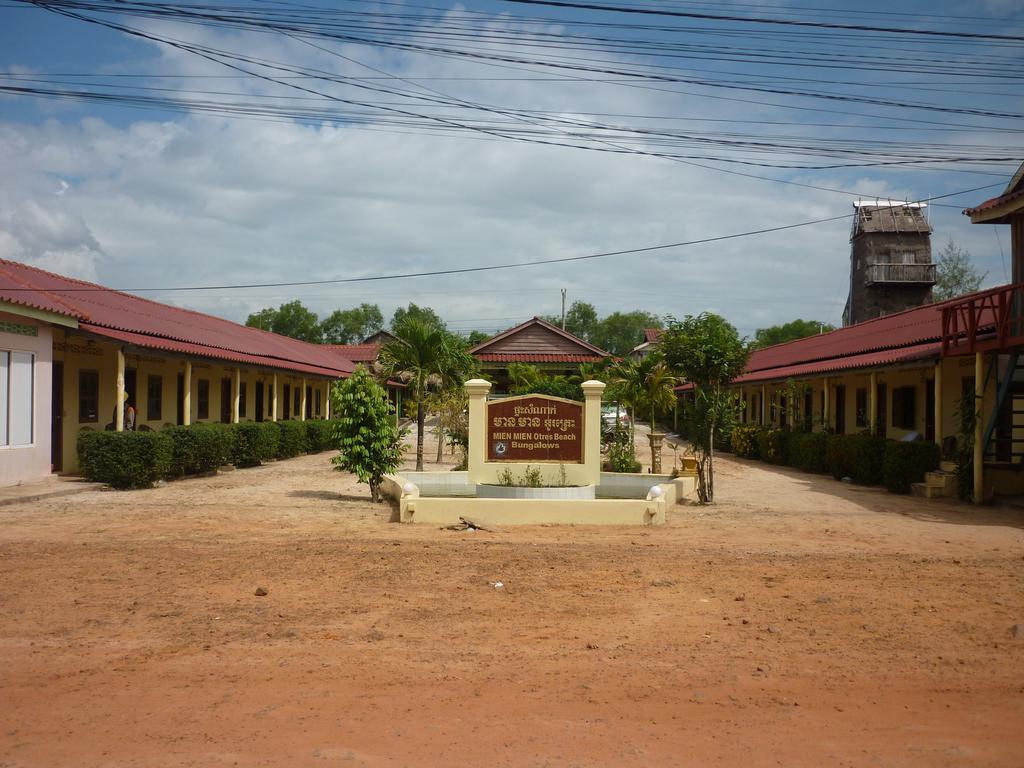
(906, 463)
(859, 457)
(253, 442)
(125, 459)
(319, 435)
(198, 448)
(292, 438)
(745, 441)
(622, 452)
(773, 446)
(807, 451)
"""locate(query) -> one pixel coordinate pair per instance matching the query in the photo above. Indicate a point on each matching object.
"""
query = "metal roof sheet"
(865, 360)
(357, 353)
(543, 324)
(105, 308)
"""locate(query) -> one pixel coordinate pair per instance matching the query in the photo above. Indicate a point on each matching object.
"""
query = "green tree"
(350, 326)
(476, 337)
(369, 444)
(423, 314)
(955, 275)
(425, 357)
(706, 351)
(791, 331)
(646, 386)
(290, 319)
(581, 319)
(619, 332)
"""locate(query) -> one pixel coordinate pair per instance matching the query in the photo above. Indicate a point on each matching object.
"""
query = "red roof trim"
(994, 202)
(200, 350)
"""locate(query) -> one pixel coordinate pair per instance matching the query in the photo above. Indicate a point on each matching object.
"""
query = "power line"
(493, 267)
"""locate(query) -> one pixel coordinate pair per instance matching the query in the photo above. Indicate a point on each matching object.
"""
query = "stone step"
(926, 491)
(947, 466)
(944, 481)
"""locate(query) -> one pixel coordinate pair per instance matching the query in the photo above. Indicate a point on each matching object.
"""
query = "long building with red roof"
(71, 350)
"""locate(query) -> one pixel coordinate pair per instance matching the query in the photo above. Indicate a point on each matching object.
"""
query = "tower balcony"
(920, 274)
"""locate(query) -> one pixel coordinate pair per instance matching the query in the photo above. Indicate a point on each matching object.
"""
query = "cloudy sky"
(283, 143)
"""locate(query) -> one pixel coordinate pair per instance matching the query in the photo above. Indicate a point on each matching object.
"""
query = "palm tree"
(423, 356)
(646, 386)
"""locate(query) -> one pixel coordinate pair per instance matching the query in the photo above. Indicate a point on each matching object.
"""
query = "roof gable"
(539, 338)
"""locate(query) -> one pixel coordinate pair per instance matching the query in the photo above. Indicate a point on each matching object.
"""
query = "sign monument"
(561, 438)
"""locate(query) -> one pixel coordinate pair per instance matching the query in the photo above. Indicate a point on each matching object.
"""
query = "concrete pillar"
(186, 406)
(873, 402)
(764, 406)
(398, 406)
(236, 395)
(119, 395)
(477, 390)
(327, 399)
(302, 406)
(592, 391)
(938, 402)
(273, 401)
(826, 401)
(979, 434)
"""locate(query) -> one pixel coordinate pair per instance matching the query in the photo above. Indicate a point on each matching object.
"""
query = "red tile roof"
(994, 202)
(357, 353)
(147, 323)
(651, 335)
(914, 334)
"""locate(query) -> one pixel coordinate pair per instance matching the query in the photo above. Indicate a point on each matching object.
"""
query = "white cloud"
(204, 201)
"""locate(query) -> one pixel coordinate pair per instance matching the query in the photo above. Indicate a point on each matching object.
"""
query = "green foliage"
(476, 337)
(198, 448)
(253, 442)
(622, 451)
(955, 275)
(745, 442)
(125, 460)
(967, 415)
(906, 463)
(319, 435)
(351, 326)
(646, 387)
(506, 478)
(290, 319)
(424, 315)
(791, 331)
(368, 442)
(425, 356)
(532, 477)
(773, 445)
(620, 332)
(859, 457)
(809, 451)
(707, 352)
(292, 441)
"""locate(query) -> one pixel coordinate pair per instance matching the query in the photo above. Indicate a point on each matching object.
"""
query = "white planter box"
(547, 492)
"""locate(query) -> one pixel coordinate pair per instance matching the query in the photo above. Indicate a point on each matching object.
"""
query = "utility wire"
(492, 267)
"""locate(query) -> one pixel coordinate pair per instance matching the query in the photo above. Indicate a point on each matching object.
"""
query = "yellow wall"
(80, 353)
(954, 371)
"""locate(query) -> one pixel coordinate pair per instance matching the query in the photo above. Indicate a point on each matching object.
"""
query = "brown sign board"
(535, 428)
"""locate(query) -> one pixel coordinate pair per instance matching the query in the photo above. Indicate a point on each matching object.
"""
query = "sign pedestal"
(656, 439)
(559, 438)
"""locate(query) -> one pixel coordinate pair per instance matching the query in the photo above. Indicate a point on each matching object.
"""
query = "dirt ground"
(797, 622)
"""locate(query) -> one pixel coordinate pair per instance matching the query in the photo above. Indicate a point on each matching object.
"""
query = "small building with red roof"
(536, 342)
(75, 355)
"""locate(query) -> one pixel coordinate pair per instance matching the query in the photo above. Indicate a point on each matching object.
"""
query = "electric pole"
(563, 309)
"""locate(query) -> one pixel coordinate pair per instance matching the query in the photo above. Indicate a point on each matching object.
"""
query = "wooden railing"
(901, 273)
(987, 321)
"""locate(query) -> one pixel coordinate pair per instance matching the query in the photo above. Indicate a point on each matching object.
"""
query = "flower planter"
(545, 492)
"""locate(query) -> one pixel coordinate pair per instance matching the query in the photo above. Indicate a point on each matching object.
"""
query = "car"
(611, 413)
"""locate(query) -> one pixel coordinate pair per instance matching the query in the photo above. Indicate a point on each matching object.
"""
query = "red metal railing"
(991, 320)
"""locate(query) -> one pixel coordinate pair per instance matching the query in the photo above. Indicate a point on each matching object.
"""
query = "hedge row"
(138, 459)
(865, 458)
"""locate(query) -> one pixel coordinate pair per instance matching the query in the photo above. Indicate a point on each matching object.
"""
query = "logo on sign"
(500, 449)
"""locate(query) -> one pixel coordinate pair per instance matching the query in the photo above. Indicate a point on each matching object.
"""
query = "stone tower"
(891, 265)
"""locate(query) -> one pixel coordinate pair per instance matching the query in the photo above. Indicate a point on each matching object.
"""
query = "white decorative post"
(119, 404)
(186, 405)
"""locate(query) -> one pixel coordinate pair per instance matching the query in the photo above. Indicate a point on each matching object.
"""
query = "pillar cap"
(477, 386)
(592, 387)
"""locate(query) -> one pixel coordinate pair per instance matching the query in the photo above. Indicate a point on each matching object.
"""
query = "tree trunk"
(375, 491)
(440, 441)
(711, 463)
(419, 432)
